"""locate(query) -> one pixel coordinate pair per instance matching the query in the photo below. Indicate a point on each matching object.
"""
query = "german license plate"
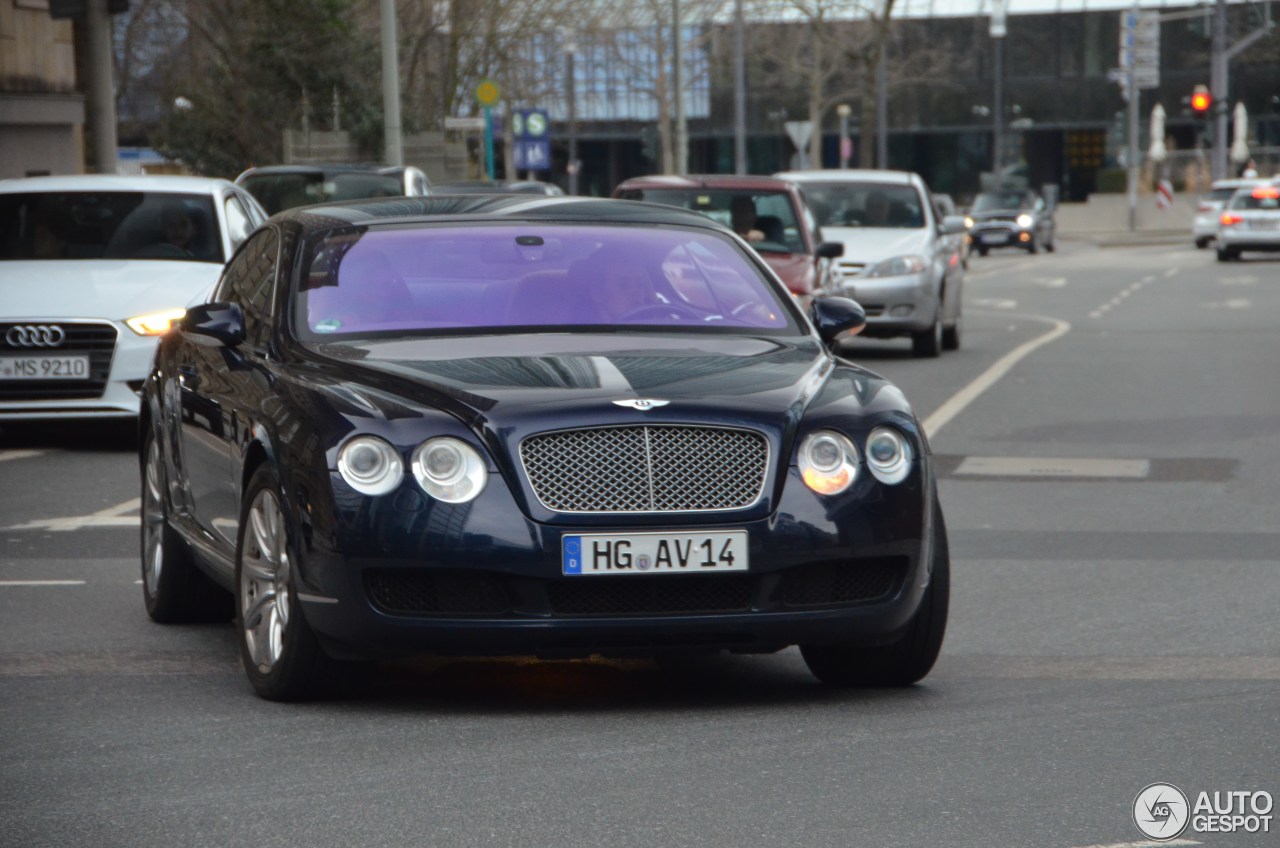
(994, 238)
(602, 555)
(44, 366)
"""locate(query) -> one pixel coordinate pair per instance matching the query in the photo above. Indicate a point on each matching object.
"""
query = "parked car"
(945, 206)
(769, 213)
(1011, 218)
(500, 425)
(897, 261)
(498, 187)
(280, 187)
(1250, 220)
(1204, 228)
(92, 270)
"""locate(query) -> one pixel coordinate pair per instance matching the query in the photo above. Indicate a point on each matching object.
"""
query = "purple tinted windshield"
(453, 278)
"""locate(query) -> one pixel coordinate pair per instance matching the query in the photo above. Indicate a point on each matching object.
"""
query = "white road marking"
(18, 454)
(1050, 282)
(995, 303)
(1061, 467)
(8, 583)
(1170, 272)
(1233, 303)
(109, 517)
(1237, 281)
(956, 404)
(1147, 844)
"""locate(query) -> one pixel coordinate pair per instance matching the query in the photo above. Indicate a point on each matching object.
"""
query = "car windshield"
(280, 191)
(995, 200)
(855, 204)
(469, 278)
(767, 219)
(109, 225)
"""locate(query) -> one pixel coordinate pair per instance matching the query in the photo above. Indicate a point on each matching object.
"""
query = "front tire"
(1202, 243)
(951, 335)
(1226, 254)
(174, 589)
(280, 652)
(907, 660)
(928, 343)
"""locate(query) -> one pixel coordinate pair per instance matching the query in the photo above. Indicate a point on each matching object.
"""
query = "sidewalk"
(1104, 220)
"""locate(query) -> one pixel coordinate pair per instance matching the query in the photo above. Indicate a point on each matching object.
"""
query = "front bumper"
(481, 579)
(1001, 235)
(894, 305)
(114, 393)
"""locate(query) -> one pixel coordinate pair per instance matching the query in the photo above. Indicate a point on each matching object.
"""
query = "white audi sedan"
(92, 271)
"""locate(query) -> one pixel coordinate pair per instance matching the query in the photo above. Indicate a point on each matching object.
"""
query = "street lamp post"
(998, 32)
(570, 48)
(844, 110)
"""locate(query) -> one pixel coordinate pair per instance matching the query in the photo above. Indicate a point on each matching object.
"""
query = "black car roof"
(491, 207)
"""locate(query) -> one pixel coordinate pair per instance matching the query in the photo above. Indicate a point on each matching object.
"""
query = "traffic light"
(1201, 100)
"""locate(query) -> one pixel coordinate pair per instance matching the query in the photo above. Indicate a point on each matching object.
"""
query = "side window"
(250, 281)
(239, 224)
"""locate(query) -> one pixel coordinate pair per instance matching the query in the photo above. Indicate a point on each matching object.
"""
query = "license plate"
(602, 555)
(44, 367)
(994, 238)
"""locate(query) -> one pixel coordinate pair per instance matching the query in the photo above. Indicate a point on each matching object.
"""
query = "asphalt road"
(1110, 482)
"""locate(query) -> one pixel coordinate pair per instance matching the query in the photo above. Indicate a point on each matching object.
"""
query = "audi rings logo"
(35, 335)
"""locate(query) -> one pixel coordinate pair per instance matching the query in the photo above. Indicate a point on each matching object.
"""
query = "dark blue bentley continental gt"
(531, 426)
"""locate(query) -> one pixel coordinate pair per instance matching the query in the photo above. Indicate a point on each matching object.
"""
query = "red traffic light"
(1201, 99)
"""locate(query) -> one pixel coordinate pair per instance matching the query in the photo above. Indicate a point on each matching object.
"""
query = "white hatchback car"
(899, 261)
(92, 270)
(1204, 228)
(1250, 220)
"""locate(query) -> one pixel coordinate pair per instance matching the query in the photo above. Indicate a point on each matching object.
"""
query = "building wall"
(41, 116)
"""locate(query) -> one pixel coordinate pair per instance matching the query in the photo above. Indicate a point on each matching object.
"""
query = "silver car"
(898, 262)
(1250, 220)
(1204, 228)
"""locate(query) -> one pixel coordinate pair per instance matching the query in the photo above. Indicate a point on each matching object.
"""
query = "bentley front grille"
(80, 338)
(648, 468)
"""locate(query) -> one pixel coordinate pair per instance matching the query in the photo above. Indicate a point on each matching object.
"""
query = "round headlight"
(1025, 220)
(449, 470)
(828, 462)
(370, 465)
(888, 455)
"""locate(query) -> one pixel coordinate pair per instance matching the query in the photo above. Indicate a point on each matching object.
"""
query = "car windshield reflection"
(467, 279)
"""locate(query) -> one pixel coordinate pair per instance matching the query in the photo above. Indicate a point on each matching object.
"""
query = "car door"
(213, 380)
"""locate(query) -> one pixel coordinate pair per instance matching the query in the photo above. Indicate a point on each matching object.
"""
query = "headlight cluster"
(155, 323)
(446, 468)
(1025, 221)
(897, 266)
(829, 461)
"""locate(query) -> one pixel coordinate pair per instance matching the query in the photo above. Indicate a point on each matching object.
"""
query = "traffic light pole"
(1219, 71)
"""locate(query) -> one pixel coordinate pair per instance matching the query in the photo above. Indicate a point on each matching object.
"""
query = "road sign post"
(487, 94)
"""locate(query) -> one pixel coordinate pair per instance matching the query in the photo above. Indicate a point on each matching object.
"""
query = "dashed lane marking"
(1232, 303)
(6, 455)
(1146, 844)
(110, 517)
(1060, 467)
(14, 583)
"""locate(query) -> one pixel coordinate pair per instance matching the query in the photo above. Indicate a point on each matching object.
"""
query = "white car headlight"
(897, 266)
(888, 455)
(370, 465)
(155, 323)
(968, 222)
(1025, 221)
(449, 470)
(828, 462)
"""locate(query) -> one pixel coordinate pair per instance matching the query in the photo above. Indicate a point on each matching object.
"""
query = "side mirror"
(830, 250)
(835, 315)
(952, 225)
(215, 324)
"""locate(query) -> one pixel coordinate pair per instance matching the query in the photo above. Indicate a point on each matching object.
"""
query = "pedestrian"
(1250, 170)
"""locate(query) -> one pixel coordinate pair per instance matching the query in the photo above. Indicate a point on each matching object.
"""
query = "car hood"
(113, 289)
(520, 384)
(998, 214)
(864, 245)
(792, 268)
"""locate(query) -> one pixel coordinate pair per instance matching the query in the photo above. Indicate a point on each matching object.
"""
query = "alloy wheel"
(264, 582)
(153, 521)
